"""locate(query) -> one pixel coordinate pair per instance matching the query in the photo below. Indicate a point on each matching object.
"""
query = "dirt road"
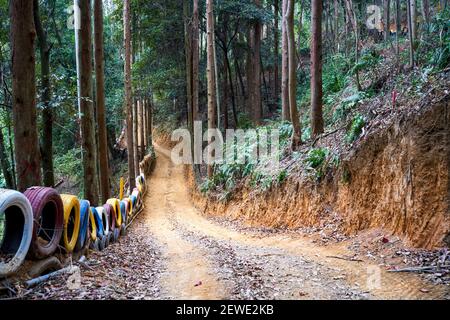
(173, 252)
(207, 260)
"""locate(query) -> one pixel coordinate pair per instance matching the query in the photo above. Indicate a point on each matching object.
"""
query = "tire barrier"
(124, 212)
(115, 204)
(129, 207)
(16, 230)
(39, 221)
(83, 236)
(71, 222)
(48, 215)
(109, 211)
(133, 201)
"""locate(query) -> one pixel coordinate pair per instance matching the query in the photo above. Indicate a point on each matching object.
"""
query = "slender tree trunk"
(23, 34)
(100, 101)
(188, 62)
(426, 11)
(276, 40)
(336, 25)
(296, 136)
(286, 115)
(136, 136)
(413, 14)
(352, 18)
(387, 18)
(257, 70)
(87, 106)
(5, 163)
(398, 21)
(316, 68)
(212, 119)
(47, 112)
(144, 125)
(141, 130)
(128, 93)
(411, 34)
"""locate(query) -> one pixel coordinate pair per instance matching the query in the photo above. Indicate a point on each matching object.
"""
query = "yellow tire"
(93, 230)
(71, 221)
(115, 203)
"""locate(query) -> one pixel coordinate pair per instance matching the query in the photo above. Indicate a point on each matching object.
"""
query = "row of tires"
(36, 224)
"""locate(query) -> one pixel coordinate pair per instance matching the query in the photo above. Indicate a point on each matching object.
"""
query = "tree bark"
(5, 163)
(387, 18)
(87, 106)
(212, 118)
(286, 115)
(411, 34)
(256, 52)
(276, 40)
(413, 14)
(136, 136)
(141, 129)
(316, 68)
(296, 136)
(23, 34)
(100, 101)
(336, 25)
(352, 18)
(128, 93)
(47, 112)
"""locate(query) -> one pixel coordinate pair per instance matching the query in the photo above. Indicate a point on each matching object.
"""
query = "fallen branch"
(47, 277)
(346, 258)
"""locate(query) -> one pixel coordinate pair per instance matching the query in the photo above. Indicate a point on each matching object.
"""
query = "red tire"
(48, 214)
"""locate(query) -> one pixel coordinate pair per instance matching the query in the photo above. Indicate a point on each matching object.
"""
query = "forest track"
(244, 265)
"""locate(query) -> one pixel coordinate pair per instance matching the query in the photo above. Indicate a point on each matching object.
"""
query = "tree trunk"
(426, 12)
(188, 66)
(296, 136)
(286, 115)
(47, 112)
(276, 40)
(141, 129)
(23, 34)
(5, 163)
(316, 68)
(128, 93)
(136, 136)
(387, 18)
(398, 21)
(87, 106)
(212, 119)
(413, 14)
(352, 18)
(257, 69)
(336, 25)
(411, 34)
(100, 101)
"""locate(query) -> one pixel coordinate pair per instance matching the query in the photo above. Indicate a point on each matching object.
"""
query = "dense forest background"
(360, 65)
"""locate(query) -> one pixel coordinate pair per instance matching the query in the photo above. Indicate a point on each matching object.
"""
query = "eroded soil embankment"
(396, 178)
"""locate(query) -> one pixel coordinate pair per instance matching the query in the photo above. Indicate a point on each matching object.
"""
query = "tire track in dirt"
(186, 265)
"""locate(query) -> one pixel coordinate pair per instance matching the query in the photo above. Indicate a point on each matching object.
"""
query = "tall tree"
(136, 136)
(411, 32)
(351, 16)
(387, 18)
(286, 115)
(47, 111)
(23, 34)
(316, 68)
(212, 119)
(128, 93)
(256, 67)
(100, 101)
(87, 106)
(276, 41)
(296, 136)
(141, 129)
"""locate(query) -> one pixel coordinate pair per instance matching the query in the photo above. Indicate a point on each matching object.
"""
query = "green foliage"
(356, 128)
(368, 60)
(316, 157)
(69, 167)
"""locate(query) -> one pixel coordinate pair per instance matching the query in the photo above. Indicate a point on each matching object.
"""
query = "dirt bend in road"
(206, 260)
(172, 252)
